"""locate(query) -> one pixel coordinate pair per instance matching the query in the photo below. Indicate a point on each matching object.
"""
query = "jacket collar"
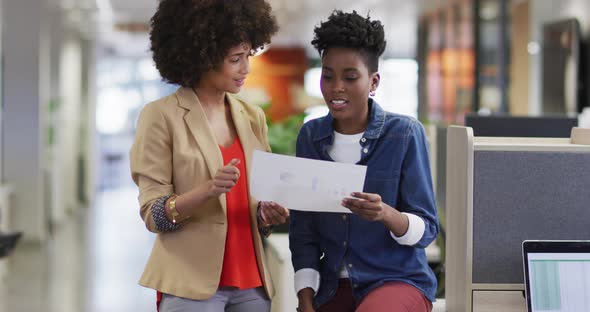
(374, 127)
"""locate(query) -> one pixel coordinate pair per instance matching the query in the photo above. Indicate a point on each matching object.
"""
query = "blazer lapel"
(196, 121)
(247, 137)
(243, 128)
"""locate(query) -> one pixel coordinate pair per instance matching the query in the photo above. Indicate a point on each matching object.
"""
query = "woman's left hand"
(367, 205)
(272, 213)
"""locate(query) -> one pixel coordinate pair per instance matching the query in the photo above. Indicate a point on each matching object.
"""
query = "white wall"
(67, 139)
(72, 60)
(543, 11)
(90, 152)
(22, 124)
(43, 62)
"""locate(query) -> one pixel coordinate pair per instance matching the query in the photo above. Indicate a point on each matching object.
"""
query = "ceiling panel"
(297, 18)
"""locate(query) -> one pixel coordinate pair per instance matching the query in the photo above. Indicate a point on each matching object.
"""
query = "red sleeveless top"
(240, 268)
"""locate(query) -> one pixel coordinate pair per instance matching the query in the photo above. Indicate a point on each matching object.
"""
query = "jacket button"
(366, 150)
(363, 140)
(344, 243)
(343, 217)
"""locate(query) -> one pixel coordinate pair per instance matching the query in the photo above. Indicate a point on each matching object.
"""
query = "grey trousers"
(226, 299)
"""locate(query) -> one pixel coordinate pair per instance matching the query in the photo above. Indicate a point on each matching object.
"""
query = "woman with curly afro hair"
(373, 258)
(192, 154)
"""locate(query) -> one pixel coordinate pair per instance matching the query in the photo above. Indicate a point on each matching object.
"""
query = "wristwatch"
(173, 211)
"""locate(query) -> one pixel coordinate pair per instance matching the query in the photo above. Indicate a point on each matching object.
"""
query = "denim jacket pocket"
(383, 183)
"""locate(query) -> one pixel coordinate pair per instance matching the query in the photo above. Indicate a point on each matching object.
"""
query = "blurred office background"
(75, 74)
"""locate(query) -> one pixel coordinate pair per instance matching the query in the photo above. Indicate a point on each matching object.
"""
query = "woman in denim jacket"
(373, 259)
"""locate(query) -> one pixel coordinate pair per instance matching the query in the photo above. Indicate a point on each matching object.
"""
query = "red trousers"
(389, 297)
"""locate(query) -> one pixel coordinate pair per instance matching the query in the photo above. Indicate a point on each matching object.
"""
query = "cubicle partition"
(547, 126)
(501, 191)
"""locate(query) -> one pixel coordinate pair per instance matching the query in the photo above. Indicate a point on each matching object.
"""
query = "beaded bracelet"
(159, 215)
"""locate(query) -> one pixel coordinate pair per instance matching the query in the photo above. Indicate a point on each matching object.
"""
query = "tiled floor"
(92, 263)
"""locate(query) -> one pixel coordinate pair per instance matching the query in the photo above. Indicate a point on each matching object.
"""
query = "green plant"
(282, 135)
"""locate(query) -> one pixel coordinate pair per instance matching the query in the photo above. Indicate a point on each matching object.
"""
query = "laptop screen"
(557, 275)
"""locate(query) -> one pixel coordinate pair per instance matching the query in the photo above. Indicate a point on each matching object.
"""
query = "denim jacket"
(394, 149)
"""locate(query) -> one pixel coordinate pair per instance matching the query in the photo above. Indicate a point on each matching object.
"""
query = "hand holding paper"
(272, 213)
(304, 184)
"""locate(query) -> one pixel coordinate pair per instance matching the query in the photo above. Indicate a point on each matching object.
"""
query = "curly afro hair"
(191, 37)
(350, 30)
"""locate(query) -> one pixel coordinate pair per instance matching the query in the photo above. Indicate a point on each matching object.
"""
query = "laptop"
(557, 275)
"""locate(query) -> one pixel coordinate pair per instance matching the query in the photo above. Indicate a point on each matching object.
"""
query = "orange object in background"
(449, 57)
(276, 71)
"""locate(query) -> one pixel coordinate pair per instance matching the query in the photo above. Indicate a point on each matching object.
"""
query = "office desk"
(494, 301)
(511, 304)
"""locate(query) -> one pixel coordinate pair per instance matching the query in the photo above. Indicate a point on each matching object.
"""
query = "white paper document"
(304, 184)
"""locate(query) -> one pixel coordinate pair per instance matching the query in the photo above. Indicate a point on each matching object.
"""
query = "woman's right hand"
(225, 178)
(305, 297)
(305, 309)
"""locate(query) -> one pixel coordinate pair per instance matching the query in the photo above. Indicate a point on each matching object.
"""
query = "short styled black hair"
(191, 37)
(350, 30)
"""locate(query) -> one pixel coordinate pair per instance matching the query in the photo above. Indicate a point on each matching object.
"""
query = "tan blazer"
(173, 152)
